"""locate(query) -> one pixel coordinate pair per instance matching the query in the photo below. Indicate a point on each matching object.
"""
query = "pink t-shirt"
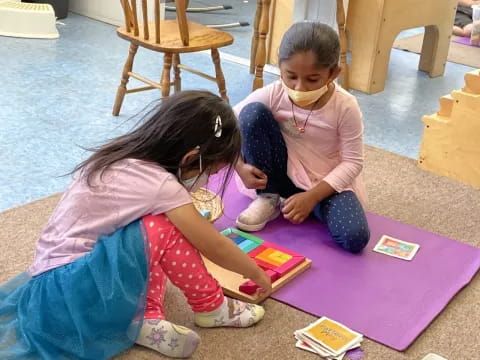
(330, 149)
(128, 190)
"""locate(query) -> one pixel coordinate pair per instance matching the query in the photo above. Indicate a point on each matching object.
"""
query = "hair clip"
(218, 127)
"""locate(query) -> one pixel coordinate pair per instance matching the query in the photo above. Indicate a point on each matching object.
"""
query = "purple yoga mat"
(388, 300)
(462, 40)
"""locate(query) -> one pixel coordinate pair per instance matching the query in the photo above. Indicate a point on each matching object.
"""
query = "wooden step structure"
(451, 137)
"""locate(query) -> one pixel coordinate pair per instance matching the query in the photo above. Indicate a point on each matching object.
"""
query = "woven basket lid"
(204, 199)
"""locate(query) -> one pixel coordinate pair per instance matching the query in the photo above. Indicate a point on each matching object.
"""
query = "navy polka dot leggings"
(263, 146)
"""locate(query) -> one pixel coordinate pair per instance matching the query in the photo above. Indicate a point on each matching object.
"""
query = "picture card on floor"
(330, 336)
(396, 248)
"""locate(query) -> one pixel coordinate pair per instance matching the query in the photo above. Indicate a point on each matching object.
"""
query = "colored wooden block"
(249, 287)
(274, 276)
(229, 231)
(231, 281)
(289, 265)
(234, 285)
(256, 251)
(233, 236)
(264, 265)
(280, 248)
(279, 257)
(247, 245)
(238, 240)
(273, 256)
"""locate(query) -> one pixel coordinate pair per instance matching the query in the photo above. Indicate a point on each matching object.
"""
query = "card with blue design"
(396, 248)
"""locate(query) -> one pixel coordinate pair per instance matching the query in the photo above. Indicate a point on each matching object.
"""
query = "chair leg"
(165, 81)
(219, 75)
(122, 88)
(177, 80)
(343, 44)
(261, 55)
(255, 36)
(436, 43)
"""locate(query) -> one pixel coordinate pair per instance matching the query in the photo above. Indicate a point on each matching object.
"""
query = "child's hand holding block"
(250, 288)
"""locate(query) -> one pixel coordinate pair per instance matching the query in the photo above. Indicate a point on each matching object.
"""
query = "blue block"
(238, 240)
(247, 245)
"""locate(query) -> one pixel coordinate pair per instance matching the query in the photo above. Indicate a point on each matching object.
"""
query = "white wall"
(109, 11)
(323, 11)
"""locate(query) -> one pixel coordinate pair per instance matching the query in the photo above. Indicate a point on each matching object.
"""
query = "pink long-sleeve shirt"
(330, 149)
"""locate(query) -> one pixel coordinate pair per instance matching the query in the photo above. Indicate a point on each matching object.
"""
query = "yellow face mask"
(305, 98)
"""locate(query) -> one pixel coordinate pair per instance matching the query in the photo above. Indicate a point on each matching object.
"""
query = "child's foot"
(260, 211)
(232, 313)
(167, 338)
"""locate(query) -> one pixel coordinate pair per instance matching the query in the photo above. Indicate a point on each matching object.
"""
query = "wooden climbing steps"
(451, 137)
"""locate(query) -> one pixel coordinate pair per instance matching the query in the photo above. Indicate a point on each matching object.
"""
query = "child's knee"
(354, 239)
(252, 113)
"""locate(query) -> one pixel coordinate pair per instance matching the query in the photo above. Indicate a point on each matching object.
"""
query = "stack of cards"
(327, 338)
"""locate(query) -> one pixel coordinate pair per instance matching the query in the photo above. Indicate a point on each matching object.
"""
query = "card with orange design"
(329, 337)
(396, 248)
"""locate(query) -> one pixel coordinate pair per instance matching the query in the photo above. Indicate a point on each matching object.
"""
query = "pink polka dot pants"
(173, 257)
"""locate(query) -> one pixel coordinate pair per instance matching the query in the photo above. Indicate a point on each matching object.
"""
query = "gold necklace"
(301, 129)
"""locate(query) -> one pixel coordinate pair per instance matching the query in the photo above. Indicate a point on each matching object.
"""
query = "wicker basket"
(204, 199)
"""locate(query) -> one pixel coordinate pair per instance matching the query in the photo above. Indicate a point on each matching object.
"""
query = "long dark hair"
(167, 133)
(316, 37)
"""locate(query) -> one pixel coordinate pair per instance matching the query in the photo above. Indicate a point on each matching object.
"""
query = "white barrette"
(218, 127)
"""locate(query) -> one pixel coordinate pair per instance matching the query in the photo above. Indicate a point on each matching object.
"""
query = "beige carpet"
(458, 53)
(397, 189)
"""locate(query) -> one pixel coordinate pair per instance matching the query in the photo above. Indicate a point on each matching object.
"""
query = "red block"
(274, 276)
(264, 265)
(249, 287)
(280, 248)
(256, 251)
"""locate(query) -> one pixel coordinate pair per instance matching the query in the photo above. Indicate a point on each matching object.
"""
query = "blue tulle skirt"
(89, 309)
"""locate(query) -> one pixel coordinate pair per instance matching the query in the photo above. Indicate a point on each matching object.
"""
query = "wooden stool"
(373, 25)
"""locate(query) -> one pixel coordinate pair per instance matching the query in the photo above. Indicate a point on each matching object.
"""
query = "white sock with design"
(232, 313)
(168, 339)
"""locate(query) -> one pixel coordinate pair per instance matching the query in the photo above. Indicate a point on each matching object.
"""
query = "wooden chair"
(373, 25)
(171, 37)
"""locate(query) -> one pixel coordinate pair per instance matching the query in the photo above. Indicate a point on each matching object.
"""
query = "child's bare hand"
(264, 281)
(298, 207)
(252, 177)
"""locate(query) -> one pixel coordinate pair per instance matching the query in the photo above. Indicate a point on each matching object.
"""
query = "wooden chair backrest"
(130, 11)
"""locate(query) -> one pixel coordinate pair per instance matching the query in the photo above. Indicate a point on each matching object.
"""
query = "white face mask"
(305, 98)
(196, 182)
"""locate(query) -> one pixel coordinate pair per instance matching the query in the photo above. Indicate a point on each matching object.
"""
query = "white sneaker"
(263, 209)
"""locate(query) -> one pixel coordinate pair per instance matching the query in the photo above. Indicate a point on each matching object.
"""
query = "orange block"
(273, 256)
